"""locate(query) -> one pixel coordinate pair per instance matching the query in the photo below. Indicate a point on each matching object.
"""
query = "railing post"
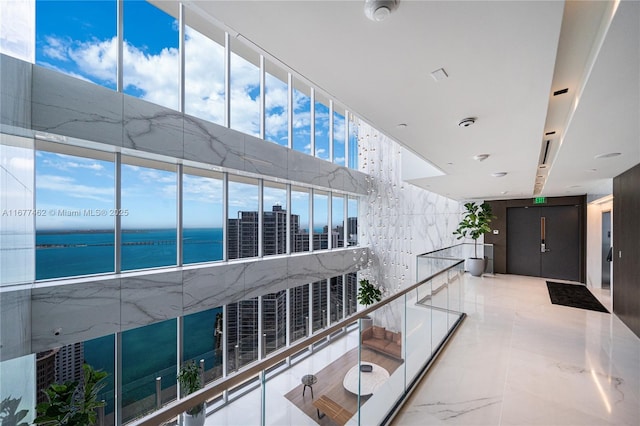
(237, 355)
(264, 345)
(101, 415)
(202, 372)
(158, 392)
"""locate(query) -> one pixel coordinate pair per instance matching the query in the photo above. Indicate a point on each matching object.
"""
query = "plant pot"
(476, 266)
(195, 419)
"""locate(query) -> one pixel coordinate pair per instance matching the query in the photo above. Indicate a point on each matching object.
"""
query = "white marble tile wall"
(88, 308)
(398, 220)
(15, 92)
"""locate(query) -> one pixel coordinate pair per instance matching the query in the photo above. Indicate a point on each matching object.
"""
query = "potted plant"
(69, 404)
(190, 381)
(368, 294)
(475, 222)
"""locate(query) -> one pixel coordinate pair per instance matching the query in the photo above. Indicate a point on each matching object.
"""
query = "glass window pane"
(150, 55)
(202, 340)
(299, 317)
(352, 221)
(242, 333)
(353, 143)
(148, 352)
(75, 232)
(242, 223)
(301, 118)
(274, 225)
(78, 38)
(337, 221)
(202, 216)
(351, 293)
(149, 227)
(299, 219)
(320, 224)
(100, 354)
(322, 130)
(204, 90)
(338, 138)
(276, 108)
(319, 313)
(274, 320)
(335, 299)
(245, 93)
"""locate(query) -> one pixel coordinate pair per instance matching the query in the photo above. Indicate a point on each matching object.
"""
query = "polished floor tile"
(520, 360)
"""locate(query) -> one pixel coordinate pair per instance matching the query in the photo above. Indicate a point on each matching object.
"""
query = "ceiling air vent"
(546, 152)
(560, 92)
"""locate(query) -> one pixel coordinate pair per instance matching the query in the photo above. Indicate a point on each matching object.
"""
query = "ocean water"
(147, 352)
(71, 253)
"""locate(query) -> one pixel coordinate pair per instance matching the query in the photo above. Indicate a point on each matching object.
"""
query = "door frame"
(499, 224)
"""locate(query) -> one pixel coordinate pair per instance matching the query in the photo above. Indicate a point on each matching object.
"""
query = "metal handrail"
(174, 409)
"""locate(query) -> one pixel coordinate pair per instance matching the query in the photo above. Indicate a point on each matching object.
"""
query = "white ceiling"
(504, 60)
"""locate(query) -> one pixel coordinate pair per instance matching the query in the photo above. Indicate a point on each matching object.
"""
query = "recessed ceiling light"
(402, 125)
(498, 174)
(451, 164)
(592, 170)
(379, 10)
(607, 155)
(504, 192)
(542, 166)
(481, 157)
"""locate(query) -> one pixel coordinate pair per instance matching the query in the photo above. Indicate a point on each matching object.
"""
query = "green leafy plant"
(71, 404)
(475, 222)
(368, 294)
(9, 413)
(189, 378)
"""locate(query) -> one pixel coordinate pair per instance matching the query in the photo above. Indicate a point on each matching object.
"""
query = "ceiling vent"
(466, 122)
(545, 153)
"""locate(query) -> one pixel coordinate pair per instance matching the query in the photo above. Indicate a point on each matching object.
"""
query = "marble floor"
(519, 360)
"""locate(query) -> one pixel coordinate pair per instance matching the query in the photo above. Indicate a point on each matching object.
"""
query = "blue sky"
(79, 38)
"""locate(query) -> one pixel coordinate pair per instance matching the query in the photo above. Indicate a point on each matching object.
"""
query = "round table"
(369, 381)
(308, 380)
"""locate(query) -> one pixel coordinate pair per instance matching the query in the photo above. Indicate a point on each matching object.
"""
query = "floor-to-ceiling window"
(149, 225)
(243, 217)
(274, 227)
(75, 212)
(202, 215)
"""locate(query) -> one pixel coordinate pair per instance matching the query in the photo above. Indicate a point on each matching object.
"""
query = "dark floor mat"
(576, 296)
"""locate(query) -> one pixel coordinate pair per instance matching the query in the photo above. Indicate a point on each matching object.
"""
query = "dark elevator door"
(558, 228)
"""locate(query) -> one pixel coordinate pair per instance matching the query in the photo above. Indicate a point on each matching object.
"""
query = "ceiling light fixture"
(402, 125)
(379, 10)
(466, 122)
(607, 155)
(498, 174)
(481, 157)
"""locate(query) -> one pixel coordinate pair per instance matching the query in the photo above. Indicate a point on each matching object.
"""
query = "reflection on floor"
(330, 384)
(518, 359)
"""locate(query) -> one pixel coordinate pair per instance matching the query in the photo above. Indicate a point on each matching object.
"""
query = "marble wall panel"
(77, 312)
(266, 276)
(152, 128)
(302, 167)
(67, 106)
(265, 158)
(213, 144)
(15, 323)
(213, 286)
(15, 92)
(321, 265)
(150, 298)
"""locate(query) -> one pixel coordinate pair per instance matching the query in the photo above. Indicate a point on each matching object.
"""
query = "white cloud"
(17, 29)
(68, 187)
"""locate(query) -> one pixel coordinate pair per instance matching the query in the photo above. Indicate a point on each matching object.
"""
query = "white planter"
(196, 420)
(476, 266)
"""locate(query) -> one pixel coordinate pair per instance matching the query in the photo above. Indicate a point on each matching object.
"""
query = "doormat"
(576, 296)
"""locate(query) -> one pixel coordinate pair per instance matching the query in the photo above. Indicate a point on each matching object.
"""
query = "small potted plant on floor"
(475, 223)
(190, 381)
